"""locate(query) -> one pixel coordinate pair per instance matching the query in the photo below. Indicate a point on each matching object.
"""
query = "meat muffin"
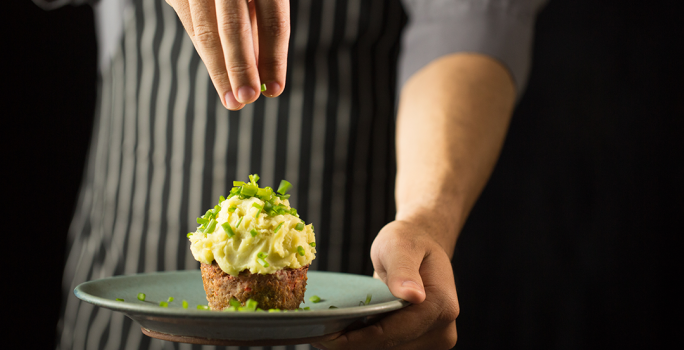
(253, 245)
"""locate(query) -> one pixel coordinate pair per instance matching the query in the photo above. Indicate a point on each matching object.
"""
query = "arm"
(453, 116)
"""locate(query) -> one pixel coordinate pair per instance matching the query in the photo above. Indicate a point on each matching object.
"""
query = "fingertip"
(231, 102)
(410, 291)
(273, 89)
(246, 94)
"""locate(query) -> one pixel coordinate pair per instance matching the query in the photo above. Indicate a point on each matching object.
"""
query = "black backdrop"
(573, 244)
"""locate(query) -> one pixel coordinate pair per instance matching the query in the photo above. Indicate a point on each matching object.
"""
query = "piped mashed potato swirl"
(256, 240)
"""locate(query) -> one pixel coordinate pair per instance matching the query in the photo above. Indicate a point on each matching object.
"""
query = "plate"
(345, 291)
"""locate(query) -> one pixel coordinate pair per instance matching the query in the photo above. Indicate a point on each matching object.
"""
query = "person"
(165, 146)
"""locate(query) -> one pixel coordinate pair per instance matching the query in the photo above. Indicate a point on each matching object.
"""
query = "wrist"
(441, 218)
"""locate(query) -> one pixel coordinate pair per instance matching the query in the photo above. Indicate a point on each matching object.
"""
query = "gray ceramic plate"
(239, 328)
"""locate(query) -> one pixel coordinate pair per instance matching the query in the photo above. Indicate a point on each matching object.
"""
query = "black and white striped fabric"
(164, 148)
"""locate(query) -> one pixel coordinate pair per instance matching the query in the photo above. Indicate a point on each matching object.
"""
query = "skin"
(452, 121)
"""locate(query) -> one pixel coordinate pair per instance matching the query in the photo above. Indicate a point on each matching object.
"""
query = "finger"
(409, 325)
(235, 30)
(398, 263)
(441, 338)
(273, 18)
(203, 31)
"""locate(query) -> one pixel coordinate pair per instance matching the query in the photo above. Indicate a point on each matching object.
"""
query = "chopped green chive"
(253, 179)
(284, 187)
(170, 299)
(141, 296)
(202, 307)
(313, 244)
(300, 226)
(249, 190)
(250, 305)
(315, 299)
(293, 212)
(228, 229)
(253, 232)
(190, 234)
(307, 308)
(202, 221)
(211, 227)
(273, 310)
(278, 227)
(185, 304)
(238, 183)
(231, 209)
(300, 250)
(262, 262)
(262, 255)
(263, 87)
(368, 299)
(234, 303)
(119, 299)
(238, 223)
(163, 304)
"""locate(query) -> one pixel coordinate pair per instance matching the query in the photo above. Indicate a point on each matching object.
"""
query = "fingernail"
(245, 94)
(411, 284)
(231, 102)
(272, 89)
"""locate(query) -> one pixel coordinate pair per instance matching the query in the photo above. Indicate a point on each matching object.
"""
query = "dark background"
(573, 245)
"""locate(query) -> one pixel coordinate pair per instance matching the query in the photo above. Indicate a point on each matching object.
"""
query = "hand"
(243, 44)
(417, 269)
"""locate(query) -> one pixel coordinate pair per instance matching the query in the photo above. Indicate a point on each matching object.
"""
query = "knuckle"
(276, 26)
(235, 25)
(276, 63)
(236, 68)
(205, 36)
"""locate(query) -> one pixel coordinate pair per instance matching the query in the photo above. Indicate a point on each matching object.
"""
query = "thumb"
(400, 268)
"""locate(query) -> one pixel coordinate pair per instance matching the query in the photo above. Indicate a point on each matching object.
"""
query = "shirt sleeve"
(54, 4)
(501, 29)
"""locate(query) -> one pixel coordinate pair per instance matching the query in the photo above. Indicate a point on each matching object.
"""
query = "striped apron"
(164, 149)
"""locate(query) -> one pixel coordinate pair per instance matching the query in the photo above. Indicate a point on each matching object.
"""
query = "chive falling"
(253, 232)
(300, 226)
(284, 187)
(300, 250)
(315, 299)
(119, 299)
(278, 227)
(141, 296)
(163, 304)
(263, 87)
(185, 304)
(228, 229)
(170, 299)
(313, 244)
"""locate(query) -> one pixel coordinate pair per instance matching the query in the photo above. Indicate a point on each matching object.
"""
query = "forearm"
(452, 120)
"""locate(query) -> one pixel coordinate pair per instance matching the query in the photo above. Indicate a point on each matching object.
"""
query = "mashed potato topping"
(244, 236)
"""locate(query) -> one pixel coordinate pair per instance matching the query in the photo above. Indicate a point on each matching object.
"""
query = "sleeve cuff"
(502, 30)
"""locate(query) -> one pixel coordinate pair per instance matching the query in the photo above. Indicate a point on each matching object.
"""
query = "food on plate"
(253, 245)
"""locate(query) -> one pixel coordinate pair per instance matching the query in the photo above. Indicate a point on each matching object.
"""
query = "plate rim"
(150, 310)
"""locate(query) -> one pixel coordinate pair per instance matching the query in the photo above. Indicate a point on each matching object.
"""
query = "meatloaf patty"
(283, 289)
